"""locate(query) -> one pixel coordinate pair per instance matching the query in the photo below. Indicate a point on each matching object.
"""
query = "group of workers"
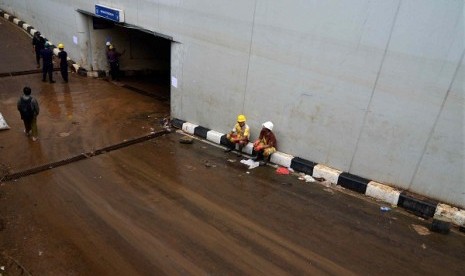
(42, 49)
(264, 145)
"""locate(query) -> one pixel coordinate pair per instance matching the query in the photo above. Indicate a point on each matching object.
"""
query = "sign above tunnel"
(112, 14)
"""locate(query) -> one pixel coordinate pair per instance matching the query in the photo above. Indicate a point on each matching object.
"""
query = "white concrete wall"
(375, 88)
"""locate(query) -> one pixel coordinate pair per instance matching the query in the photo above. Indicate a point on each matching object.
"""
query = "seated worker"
(266, 143)
(240, 135)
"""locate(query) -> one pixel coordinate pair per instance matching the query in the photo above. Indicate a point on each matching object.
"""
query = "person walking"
(240, 135)
(28, 108)
(63, 56)
(47, 64)
(38, 44)
(266, 143)
(113, 60)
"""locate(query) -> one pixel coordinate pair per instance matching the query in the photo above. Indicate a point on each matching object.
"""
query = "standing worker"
(28, 107)
(38, 44)
(240, 135)
(113, 60)
(63, 56)
(47, 64)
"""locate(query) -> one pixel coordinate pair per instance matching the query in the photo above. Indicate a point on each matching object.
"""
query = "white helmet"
(268, 125)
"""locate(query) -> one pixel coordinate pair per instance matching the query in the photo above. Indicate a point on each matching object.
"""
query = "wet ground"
(160, 207)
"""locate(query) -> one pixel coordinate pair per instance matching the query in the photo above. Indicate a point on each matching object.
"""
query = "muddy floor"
(159, 207)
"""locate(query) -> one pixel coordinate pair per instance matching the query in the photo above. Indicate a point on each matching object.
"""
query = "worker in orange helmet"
(239, 135)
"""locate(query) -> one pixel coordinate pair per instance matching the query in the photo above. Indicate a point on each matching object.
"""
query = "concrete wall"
(374, 88)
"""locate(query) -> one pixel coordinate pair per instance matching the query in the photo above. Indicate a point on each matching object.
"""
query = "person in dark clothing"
(38, 44)
(63, 56)
(47, 64)
(28, 107)
(113, 60)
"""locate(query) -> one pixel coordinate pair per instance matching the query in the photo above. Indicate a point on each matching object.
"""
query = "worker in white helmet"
(63, 56)
(266, 143)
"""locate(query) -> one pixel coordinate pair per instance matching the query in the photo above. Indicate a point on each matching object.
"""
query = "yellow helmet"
(241, 118)
(61, 46)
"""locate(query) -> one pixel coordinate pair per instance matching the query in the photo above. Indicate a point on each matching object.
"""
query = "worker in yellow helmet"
(63, 56)
(239, 135)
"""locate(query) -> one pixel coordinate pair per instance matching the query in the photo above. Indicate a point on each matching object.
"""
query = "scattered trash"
(231, 160)
(166, 123)
(326, 183)
(385, 209)
(208, 164)
(423, 246)
(186, 140)
(63, 134)
(309, 178)
(3, 124)
(421, 230)
(2, 267)
(249, 162)
(40, 253)
(282, 170)
(247, 172)
(329, 190)
(190, 168)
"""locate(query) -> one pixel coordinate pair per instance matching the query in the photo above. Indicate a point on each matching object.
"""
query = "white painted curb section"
(330, 174)
(383, 192)
(189, 128)
(214, 136)
(282, 159)
(456, 215)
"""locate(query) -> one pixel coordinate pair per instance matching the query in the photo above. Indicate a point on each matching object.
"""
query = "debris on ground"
(329, 191)
(282, 170)
(3, 124)
(385, 209)
(423, 246)
(249, 162)
(231, 160)
(207, 164)
(166, 123)
(309, 178)
(186, 140)
(421, 230)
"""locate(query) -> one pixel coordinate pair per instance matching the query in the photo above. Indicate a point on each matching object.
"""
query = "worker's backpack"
(27, 113)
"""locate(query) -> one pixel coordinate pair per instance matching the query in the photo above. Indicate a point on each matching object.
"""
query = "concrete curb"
(31, 31)
(420, 206)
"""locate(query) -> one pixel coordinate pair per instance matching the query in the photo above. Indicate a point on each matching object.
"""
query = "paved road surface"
(163, 208)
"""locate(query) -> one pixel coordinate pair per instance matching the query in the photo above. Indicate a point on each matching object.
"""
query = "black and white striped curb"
(31, 31)
(421, 206)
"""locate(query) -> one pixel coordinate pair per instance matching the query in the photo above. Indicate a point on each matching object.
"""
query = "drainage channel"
(82, 156)
(27, 72)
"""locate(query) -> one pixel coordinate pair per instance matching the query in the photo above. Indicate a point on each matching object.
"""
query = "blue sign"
(109, 13)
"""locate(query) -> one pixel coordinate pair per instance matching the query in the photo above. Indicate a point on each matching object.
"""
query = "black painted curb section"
(302, 165)
(177, 123)
(201, 132)
(224, 140)
(422, 207)
(353, 182)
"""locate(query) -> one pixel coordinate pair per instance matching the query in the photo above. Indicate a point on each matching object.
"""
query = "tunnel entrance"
(146, 56)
